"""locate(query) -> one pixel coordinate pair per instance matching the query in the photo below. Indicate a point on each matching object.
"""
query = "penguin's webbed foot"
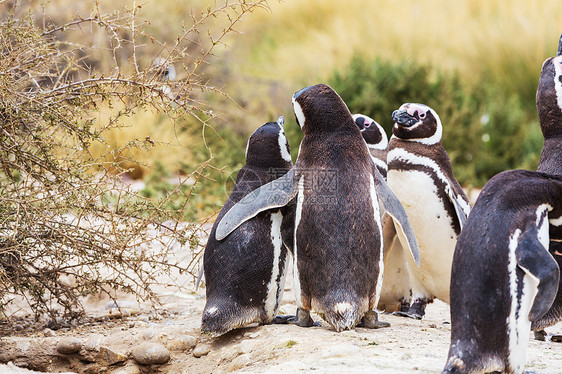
(540, 335)
(415, 311)
(371, 321)
(283, 320)
(302, 319)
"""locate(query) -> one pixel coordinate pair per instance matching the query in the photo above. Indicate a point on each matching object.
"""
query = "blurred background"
(476, 62)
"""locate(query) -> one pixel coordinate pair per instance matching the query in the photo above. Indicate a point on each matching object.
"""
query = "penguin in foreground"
(337, 247)
(420, 174)
(376, 139)
(503, 276)
(549, 108)
(245, 273)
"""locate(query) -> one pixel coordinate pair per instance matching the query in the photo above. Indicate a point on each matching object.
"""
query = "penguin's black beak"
(298, 93)
(360, 122)
(559, 53)
(402, 118)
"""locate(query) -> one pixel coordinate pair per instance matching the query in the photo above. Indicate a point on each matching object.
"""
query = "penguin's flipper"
(388, 233)
(461, 214)
(535, 260)
(199, 278)
(393, 207)
(274, 194)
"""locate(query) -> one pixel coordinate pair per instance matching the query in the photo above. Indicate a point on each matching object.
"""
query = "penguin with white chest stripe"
(549, 108)
(420, 174)
(503, 276)
(376, 139)
(245, 273)
(337, 234)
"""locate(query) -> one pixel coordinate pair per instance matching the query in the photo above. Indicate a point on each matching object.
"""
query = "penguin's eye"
(422, 115)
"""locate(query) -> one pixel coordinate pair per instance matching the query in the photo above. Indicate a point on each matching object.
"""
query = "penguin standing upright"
(337, 244)
(503, 276)
(420, 174)
(376, 139)
(549, 108)
(245, 273)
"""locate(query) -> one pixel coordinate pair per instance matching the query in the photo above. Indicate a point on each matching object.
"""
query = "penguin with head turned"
(503, 276)
(376, 139)
(549, 108)
(395, 276)
(421, 176)
(339, 193)
(245, 272)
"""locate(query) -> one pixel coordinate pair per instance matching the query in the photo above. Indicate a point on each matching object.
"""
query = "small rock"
(138, 324)
(245, 346)
(252, 335)
(201, 350)
(93, 343)
(148, 334)
(151, 353)
(69, 345)
(433, 325)
(182, 344)
(49, 333)
(239, 362)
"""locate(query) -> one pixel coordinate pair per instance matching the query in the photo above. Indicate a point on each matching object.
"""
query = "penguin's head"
(417, 122)
(549, 95)
(372, 132)
(268, 146)
(320, 109)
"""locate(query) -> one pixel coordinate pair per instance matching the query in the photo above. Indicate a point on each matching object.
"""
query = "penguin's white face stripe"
(298, 214)
(375, 204)
(272, 287)
(212, 310)
(247, 146)
(283, 147)
(436, 137)
(542, 224)
(383, 144)
(556, 221)
(557, 61)
(518, 322)
(298, 113)
(402, 154)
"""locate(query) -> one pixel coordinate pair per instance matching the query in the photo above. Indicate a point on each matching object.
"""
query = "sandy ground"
(408, 346)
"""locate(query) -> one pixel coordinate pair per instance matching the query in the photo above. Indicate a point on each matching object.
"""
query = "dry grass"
(307, 40)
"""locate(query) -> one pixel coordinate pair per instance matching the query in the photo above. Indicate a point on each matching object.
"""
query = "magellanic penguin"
(245, 272)
(420, 174)
(503, 276)
(339, 194)
(549, 108)
(395, 276)
(376, 139)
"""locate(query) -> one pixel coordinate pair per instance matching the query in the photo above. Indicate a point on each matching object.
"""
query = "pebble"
(93, 343)
(69, 345)
(148, 334)
(182, 344)
(432, 325)
(49, 333)
(245, 346)
(239, 362)
(252, 335)
(151, 353)
(201, 350)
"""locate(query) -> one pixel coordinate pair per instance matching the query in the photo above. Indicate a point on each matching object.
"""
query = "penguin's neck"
(551, 157)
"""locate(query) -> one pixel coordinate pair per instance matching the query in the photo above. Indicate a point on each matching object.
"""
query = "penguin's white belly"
(434, 233)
